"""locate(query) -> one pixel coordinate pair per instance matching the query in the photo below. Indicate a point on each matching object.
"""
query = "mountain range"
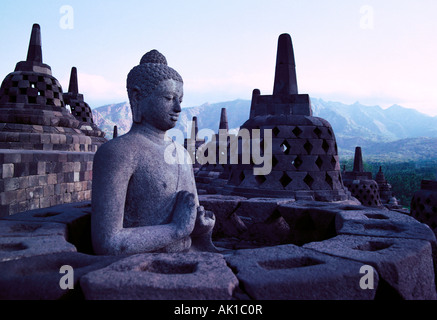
(396, 133)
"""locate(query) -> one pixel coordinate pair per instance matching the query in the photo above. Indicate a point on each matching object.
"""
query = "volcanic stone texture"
(42, 179)
(337, 240)
(179, 276)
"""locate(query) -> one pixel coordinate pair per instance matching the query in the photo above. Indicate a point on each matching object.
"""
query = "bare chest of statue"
(153, 186)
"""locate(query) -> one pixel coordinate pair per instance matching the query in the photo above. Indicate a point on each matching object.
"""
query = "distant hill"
(396, 133)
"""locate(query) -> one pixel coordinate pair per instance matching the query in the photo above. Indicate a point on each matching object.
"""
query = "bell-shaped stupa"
(304, 158)
(82, 111)
(211, 177)
(361, 184)
(33, 114)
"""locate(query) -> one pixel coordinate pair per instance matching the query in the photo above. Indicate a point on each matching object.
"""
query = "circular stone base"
(320, 253)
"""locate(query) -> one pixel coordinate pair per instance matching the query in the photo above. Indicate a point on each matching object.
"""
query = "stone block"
(38, 277)
(405, 266)
(14, 248)
(258, 210)
(8, 170)
(31, 229)
(187, 276)
(309, 220)
(289, 272)
(352, 220)
(224, 207)
(77, 217)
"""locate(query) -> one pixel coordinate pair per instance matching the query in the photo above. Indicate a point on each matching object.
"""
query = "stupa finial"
(285, 76)
(73, 87)
(358, 160)
(194, 128)
(224, 120)
(34, 54)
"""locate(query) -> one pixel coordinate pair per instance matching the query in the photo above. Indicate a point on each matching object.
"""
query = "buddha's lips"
(174, 117)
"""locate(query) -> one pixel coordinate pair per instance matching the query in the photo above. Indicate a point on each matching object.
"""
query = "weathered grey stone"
(14, 248)
(190, 276)
(309, 220)
(38, 277)
(66, 213)
(256, 210)
(31, 229)
(144, 192)
(76, 216)
(228, 223)
(405, 265)
(381, 223)
(289, 272)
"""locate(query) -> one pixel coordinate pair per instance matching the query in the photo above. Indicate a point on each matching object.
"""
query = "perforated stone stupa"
(33, 113)
(211, 177)
(305, 162)
(424, 204)
(46, 154)
(82, 111)
(361, 184)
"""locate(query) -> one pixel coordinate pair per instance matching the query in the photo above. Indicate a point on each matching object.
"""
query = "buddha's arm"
(111, 174)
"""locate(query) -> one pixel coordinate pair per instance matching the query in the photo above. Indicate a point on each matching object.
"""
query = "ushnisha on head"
(149, 76)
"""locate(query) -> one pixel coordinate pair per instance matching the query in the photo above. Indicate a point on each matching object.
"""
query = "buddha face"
(162, 107)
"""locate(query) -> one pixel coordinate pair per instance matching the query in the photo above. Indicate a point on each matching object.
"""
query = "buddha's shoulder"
(123, 146)
(128, 146)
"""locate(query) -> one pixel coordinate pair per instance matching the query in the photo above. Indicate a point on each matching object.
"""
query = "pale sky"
(375, 52)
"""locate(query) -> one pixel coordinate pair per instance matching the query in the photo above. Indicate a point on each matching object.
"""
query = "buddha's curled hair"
(150, 72)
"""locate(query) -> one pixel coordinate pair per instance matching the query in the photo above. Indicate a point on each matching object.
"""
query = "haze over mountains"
(396, 133)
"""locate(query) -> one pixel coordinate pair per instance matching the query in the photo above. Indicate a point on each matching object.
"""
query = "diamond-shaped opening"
(285, 180)
(260, 179)
(274, 162)
(318, 132)
(308, 180)
(297, 162)
(325, 146)
(297, 131)
(276, 131)
(329, 181)
(308, 147)
(319, 162)
(285, 147)
(333, 161)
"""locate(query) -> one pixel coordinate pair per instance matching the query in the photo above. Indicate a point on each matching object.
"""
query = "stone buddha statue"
(141, 202)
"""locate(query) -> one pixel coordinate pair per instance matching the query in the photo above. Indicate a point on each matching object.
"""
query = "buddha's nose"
(177, 106)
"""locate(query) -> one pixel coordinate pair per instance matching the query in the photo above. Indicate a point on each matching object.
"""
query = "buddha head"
(155, 92)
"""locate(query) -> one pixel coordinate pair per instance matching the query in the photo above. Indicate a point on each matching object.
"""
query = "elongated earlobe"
(135, 99)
